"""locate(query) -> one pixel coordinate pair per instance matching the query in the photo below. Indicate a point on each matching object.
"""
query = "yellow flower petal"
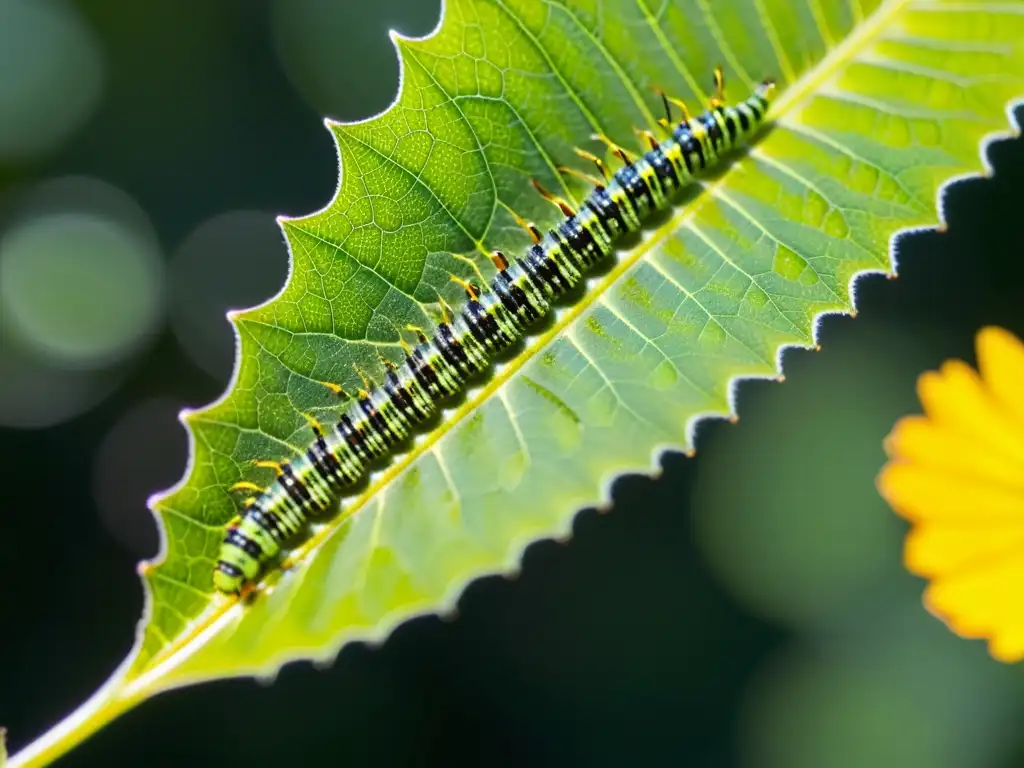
(934, 549)
(919, 440)
(921, 493)
(956, 398)
(1001, 362)
(984, 602)
(957, 473)
(1008, 645)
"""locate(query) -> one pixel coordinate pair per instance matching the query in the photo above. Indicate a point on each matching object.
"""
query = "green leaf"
(880, 105)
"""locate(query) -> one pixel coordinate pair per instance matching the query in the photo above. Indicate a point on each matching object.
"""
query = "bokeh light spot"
(51, 76)
(78, 288)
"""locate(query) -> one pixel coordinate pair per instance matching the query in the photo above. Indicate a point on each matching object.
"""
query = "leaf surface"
(880, 105)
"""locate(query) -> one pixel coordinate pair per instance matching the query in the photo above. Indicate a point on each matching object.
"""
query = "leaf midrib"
(787, 101)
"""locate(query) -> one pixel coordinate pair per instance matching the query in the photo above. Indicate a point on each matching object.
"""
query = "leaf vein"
(525, 31)
(514, 422)
(577, 344)
(900, 109)
(814, 6)
(418, 178)
(479, 145)
(723, 44)
(699, 232)
(623, 76)
(824, 138)
(659, 33)
(719, 195)
(785, 65)
(341, 250)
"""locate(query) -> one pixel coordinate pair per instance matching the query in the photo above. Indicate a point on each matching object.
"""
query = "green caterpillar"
(521, 293)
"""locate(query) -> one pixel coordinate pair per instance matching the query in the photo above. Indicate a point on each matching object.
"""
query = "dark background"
(747, 608)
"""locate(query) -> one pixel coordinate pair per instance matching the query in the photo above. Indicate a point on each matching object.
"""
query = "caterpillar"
(463, 345)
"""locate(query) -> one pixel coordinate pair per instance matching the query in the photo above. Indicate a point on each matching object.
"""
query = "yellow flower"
(957, 474)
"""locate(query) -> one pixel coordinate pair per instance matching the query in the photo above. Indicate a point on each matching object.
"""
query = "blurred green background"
(747, 608)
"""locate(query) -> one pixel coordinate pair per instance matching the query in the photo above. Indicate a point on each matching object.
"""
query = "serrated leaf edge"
(114, 696)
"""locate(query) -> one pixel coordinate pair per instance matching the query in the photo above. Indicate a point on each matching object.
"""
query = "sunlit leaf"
(880, 105)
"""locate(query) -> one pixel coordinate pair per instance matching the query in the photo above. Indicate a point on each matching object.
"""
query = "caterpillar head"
(766, 89)
(228, 578)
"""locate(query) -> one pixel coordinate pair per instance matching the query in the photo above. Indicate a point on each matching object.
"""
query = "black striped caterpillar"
(520, 294)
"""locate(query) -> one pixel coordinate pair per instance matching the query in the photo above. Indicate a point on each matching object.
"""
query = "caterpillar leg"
(473, 265)
(529, 226)
(277, 466)
(595, 160)
(245, 485)
(471, 290)
(587, 177)
(389, 364)
(563, 206)
(420, 335)
(336, 389)
(406, 346)
(718, 100)
(447, 313)
(314, 424)
(669, 100)
(499, 261)
(644, 135)
(623, 155)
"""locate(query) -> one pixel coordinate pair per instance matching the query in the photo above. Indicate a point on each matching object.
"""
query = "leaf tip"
(237, 316)
(154, 499)
(449, 616)
(288, 224)
(400, 39)
(323, 664)
(186, 416)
